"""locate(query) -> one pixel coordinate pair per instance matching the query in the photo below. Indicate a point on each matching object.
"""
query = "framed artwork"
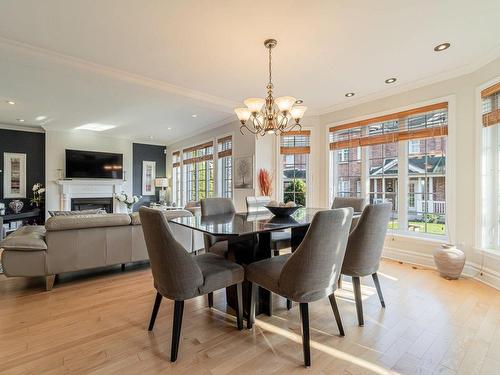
(148, 177)
(243, 172)
(14, 177)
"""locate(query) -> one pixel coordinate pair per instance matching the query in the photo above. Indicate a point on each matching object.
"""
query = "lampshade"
(161, 182)
(243, 114)
(254, 104)
(285, 103)
(298, 111)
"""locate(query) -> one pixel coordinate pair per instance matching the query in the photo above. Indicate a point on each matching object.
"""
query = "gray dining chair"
(357, 204)
(180, 276)
(364, 250)
(216, 244)
(280, 240)
(308, 274)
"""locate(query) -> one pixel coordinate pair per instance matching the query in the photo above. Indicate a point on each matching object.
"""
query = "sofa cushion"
(57, 223)
(82, 212)
(27, 238)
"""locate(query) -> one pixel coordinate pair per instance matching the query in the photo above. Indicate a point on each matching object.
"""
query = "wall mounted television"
(92, 164)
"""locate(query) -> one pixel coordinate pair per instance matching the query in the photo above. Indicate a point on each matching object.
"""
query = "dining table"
(249, 240)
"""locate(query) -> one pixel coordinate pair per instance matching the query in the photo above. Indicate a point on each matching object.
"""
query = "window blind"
(491, 105)
(176, 158)
(225, 146)
(418, 123)
(198, 153)
(295, 142)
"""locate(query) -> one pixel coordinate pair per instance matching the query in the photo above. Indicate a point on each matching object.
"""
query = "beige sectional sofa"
(73, 243)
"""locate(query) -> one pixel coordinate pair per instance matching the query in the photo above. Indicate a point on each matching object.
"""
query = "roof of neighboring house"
(418, 165)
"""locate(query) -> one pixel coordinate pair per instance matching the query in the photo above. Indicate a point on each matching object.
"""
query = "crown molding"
(219, 103)
(22, 128)
(436, 78)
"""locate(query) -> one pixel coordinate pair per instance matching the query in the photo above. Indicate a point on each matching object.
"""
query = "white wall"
(58, 141)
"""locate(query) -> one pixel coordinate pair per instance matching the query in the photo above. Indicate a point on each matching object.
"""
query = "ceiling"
(149, 65)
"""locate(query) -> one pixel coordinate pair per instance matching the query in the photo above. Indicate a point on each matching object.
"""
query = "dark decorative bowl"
(282, 211)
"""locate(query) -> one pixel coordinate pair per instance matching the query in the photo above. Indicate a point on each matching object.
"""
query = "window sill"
(420, 236)
(493, 252)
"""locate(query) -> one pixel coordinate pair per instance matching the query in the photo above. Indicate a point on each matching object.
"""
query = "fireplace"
(79, 204)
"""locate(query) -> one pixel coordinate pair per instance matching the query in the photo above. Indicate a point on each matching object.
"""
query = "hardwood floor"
(99, 324)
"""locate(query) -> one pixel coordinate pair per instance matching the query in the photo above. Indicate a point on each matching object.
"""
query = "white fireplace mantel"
(90, 189)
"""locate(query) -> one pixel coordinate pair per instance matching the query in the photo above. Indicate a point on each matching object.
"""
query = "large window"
(490, 168)
(224, 156)
(198, 166)
(176, 178)
(294, 151)
(398, 158)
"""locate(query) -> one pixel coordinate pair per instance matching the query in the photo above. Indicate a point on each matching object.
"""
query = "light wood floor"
(98, 325)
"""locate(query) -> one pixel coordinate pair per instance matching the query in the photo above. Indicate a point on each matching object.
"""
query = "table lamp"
(162, 183)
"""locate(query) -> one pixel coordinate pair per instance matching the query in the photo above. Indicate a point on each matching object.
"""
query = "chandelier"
(270, 116)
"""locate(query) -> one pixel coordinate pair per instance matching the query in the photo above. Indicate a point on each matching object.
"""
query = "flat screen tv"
(92, 164)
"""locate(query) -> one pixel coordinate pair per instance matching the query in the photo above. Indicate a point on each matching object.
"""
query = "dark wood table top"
(238, 224)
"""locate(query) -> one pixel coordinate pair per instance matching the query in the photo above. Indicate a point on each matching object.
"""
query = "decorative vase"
(16, 206)
(449, 261)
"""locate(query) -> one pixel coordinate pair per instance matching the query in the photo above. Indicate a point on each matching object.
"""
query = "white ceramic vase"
(449, 261)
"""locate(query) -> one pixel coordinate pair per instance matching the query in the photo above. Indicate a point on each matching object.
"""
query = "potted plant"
(129, 200)
(38, 192)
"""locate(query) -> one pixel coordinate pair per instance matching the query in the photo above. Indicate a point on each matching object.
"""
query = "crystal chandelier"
(271, 116)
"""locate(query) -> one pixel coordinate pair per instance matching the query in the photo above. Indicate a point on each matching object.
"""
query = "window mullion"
(403, 185)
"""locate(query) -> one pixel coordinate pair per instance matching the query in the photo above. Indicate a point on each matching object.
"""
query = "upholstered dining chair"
(280, 240)
(308, 274)
(180, 276)
(364, 250)
(357, 204)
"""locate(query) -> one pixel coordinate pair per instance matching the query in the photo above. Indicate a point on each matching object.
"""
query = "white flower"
(36, 187)
(42, 190)
(136, 199)
(130, 200)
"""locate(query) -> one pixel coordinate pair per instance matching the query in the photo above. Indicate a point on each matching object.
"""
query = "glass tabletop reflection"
(238, 224)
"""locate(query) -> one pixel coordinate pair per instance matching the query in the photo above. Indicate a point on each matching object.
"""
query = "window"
(404, 150)
(294, 150)
(343, 155)
(490, 169)
(224, 155)
(176, 178)
(198, 166)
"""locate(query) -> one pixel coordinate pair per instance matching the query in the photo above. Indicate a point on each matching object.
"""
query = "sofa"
(80, 242)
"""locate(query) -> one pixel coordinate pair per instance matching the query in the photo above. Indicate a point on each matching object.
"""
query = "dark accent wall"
(143, 152)
(33, 145)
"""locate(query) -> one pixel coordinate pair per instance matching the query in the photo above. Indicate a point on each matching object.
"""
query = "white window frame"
(414, 146)
(450, 192)
(220, 176)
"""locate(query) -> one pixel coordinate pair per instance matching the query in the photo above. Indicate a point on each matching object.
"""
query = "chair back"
(357, 204)
(312, 271)
(216, 206)
(366, 241)
(256, 204)
(176, 275)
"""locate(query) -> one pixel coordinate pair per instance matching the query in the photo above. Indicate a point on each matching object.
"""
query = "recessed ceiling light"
(194, 116)
(41, 118)
(20, 119)
(96, 127)
(349, 94)
(442, 47)
(11, 102)
(390, 80)
(169, 128)
(299, 101)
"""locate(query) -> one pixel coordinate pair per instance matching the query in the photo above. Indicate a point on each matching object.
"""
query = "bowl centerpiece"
(282, 209)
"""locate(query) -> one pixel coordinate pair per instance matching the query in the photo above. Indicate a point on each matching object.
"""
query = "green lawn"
(417, 226)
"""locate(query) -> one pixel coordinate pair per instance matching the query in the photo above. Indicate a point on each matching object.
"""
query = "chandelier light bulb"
(243, 114)
(298, 111)
(285, 103)
(254, 104)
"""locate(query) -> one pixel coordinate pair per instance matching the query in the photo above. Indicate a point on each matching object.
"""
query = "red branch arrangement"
(265, 182)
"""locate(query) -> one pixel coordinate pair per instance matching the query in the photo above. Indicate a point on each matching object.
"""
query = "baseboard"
(471, 270)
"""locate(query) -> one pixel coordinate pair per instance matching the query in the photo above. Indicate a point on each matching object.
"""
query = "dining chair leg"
(379, 290)
(359, 302)
(155, 311)
(289, 304)
(210, 299)
(253, 290)
(176, 329)
(336, 313)
(239, 313)
(304, 316)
